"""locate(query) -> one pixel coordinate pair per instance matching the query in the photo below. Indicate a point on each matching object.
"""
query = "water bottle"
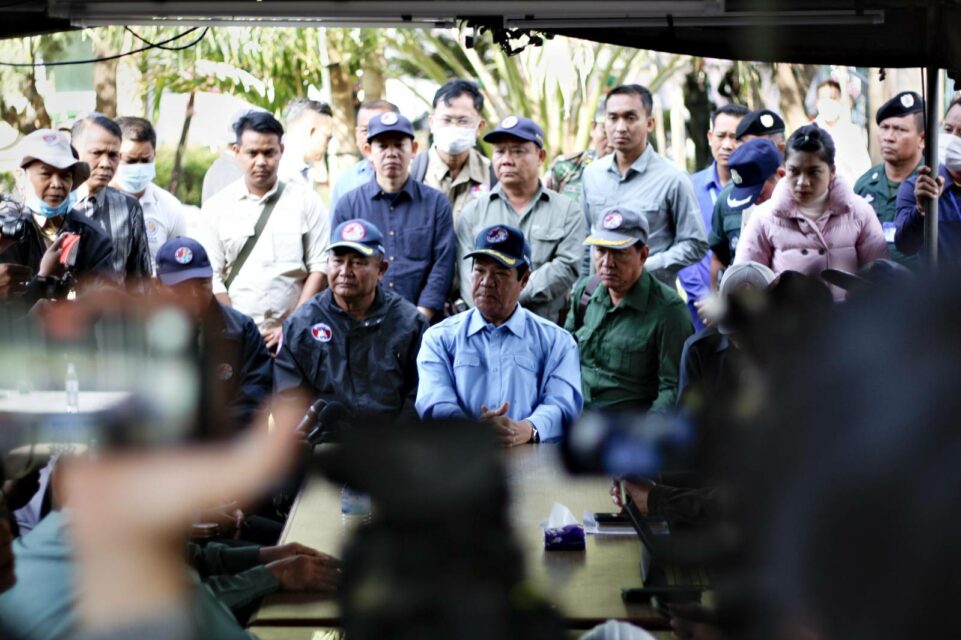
(354, 506)
(72, 386)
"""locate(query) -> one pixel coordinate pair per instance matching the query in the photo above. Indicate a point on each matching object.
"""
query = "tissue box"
(566, 538)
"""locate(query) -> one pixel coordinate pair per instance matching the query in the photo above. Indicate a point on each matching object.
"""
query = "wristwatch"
(535, 436)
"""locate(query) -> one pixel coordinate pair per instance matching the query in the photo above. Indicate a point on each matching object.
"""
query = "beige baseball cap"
(52, 148)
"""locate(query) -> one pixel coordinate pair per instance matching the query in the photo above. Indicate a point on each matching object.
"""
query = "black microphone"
(310, 418)
(329, 422)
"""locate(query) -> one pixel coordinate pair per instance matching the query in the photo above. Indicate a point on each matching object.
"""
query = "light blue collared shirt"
(466, 362)
(356, 175)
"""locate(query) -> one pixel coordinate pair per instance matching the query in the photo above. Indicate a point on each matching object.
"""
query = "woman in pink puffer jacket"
(814, 221)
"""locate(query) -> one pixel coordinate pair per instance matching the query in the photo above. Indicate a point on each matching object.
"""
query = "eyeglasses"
(464, 121)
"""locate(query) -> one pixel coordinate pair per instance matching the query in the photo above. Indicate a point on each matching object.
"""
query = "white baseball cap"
(52, 148)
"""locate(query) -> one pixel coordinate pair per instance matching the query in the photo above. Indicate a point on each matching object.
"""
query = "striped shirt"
(120, 216)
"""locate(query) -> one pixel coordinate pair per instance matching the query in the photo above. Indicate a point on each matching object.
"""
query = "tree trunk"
(105, 79)
(342, 101)
(792, 82)
(699, 108)
(181, 148)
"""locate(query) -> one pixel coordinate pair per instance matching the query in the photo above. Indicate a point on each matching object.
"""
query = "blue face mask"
(134, 178)
(41, 208)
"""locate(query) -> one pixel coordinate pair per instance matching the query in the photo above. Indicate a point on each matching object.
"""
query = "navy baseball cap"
(505, 244)
(905, 103)
(619, 228)
(358, 235)
(517, 127)
(181, 259)
(751, 165)
(762, 122)
(389, 122)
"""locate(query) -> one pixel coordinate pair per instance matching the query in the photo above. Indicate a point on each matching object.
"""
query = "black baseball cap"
(505, 244)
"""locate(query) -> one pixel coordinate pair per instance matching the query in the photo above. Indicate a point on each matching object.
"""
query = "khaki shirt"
(474, 178)
(291, 247)
(554, 227)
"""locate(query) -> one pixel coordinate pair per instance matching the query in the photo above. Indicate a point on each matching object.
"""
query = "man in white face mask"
(452, 164)
(917, 191)
(162, 212)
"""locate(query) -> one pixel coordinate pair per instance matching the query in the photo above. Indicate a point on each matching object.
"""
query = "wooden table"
(584, 585)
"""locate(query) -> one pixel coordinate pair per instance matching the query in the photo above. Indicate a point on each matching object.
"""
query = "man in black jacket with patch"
(356, 342)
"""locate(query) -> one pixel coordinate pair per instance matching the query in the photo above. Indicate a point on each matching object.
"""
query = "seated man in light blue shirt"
(498, 362)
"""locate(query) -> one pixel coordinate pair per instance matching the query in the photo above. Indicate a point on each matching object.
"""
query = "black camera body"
(13, 220)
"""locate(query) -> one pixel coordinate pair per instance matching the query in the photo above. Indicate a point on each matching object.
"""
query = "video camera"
(13, 220)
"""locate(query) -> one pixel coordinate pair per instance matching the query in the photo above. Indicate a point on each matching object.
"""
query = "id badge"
(889, 230)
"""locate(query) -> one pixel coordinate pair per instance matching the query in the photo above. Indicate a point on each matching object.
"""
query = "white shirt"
(163, 217)
(291, 247)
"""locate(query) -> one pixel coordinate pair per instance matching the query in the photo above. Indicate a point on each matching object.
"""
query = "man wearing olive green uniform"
(631, 328)
(901, 136)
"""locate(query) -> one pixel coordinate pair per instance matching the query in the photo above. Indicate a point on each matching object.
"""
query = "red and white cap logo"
(612, 221)
(50, 138)
(183, 255)
(354, 232)
(321, 332)
(496, 235)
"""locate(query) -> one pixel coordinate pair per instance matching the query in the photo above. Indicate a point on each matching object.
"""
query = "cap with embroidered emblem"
(751, 165)
(762, 122)
(505, 244)
(180, 259)
(389, 122)
(619, 228)
(359, 235)
(903, 104)
(517, 127)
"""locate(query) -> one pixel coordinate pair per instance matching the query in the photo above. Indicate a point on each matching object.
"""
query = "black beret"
(762, 122)
(904, 103)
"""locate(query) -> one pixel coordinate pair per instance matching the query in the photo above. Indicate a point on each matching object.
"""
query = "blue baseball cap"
(389, 122)
(619, 228)
(505, 244)
(751, 165)
(181, 259)
(517, 127)
(358, 235)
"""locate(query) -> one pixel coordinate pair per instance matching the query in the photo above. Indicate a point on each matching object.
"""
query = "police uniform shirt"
(163, 217)
(367, 365)
(291, 247)
(882, 194)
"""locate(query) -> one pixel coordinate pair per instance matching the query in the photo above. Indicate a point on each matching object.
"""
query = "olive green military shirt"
(631, 353)
(882, 194)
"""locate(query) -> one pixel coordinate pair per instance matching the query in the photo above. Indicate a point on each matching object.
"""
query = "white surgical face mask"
(454, 140)
(134, 178)
(952, 153)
